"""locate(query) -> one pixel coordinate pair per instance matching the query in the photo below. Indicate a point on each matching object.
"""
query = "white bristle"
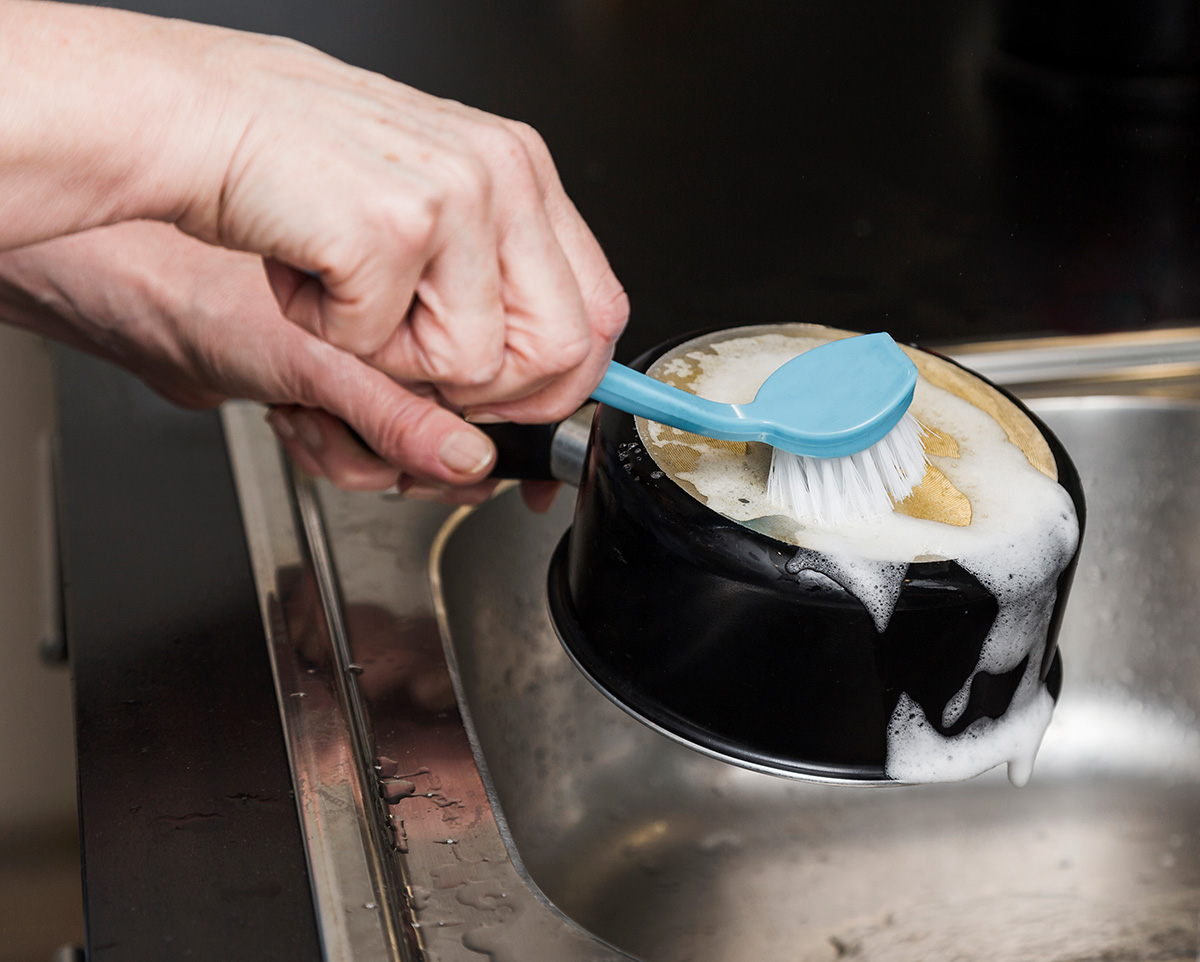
(832, 491)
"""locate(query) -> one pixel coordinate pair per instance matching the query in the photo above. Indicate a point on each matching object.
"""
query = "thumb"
(411, 433)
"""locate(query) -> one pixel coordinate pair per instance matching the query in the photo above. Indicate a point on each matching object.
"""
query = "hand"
(199, 324)
(443, 246)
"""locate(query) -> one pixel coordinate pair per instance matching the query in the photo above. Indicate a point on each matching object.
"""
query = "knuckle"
(347, 314)
(575, 352)
(611, 315)
(453, 366)
(465, 180)
(418, 228)
(559, 357)
(400, 431)
(520, 152)
(530, 140)
(408, 224)
(414, 432)
(551, 409)
(338, 257)
(307, 380)
(504, 137)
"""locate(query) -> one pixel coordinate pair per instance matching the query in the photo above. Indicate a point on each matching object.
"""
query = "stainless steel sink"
(547, 825)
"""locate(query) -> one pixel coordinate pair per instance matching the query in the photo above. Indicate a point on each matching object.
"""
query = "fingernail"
(483, 417)
(282, 424)
(310, 432)
(467, 452)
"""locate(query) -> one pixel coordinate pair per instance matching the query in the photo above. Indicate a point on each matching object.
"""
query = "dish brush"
(845, 445)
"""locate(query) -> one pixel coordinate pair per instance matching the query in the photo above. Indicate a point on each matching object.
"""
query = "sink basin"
(670, 856)
(466, 794)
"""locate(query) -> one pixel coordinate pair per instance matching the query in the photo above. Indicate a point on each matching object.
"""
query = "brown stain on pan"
(934, 499)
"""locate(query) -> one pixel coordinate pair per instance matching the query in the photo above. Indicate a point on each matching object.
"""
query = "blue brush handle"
(832, 401)
(643, 396)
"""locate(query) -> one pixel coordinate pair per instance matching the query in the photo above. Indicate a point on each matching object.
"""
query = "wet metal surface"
(349, 867)
(673, 856)
(551, 827)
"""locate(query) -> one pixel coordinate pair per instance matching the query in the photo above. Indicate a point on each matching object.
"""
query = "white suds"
(917, 752)
(876, 584)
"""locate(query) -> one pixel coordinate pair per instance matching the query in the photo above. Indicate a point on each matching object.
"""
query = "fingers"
(563, 396)
(605, 307)
(337, 416)
(520, 321)
(200, 324)
(352, 292)
(428, 239)
(448, 494)
(324, 446)
(401, 435)
(537, 333)
(426, 301)
(477, 298)
(539, 495)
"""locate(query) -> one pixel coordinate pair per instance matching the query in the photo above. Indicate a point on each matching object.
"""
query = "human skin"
(425, 253)
(199, 324)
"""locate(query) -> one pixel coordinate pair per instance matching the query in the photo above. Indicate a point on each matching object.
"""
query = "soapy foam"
(917, 752)
(876, 584)
(1023, 533)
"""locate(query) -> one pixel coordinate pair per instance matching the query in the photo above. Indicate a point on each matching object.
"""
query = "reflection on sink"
(672, 856)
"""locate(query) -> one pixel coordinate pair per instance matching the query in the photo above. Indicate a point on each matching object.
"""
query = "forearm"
(104, 116)
(119, 293)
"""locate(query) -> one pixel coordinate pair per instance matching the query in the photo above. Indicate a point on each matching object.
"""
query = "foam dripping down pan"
(728, 636)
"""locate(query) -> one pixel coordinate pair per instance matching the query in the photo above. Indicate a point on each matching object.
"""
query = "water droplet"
(368, 905)
(397, 788)
(298, 694)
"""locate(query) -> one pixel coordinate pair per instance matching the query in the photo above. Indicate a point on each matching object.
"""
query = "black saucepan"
(693, 624)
